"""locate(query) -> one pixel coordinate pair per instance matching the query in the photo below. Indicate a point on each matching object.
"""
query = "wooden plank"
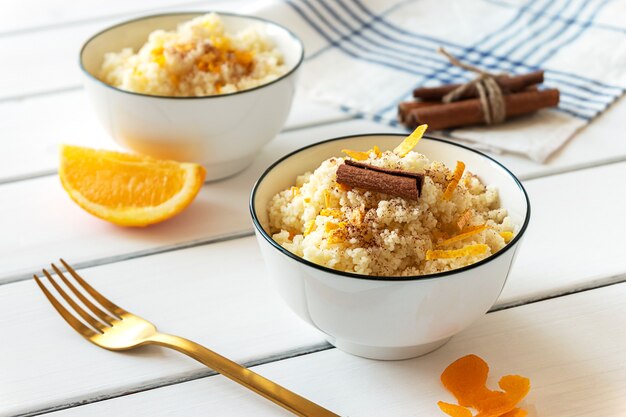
(209, 287)
(573, 233)
(571, 348)
(598, 143)
(31, 149)
(39, 15)
(39, 221)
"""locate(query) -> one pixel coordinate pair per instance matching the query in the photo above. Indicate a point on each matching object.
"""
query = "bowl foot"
(387, 353)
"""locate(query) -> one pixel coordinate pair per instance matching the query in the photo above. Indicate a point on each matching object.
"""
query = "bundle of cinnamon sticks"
(520, 94)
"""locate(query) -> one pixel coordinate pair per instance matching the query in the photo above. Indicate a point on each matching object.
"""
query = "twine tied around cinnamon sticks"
(488, 89)
(488, 99)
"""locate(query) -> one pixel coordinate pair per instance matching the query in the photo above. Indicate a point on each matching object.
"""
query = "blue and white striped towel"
(365, 56)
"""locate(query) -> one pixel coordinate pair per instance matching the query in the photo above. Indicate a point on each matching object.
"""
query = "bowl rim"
(196, 13)
(354, 275)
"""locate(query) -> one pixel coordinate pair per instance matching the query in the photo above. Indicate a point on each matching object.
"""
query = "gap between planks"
(319, 347)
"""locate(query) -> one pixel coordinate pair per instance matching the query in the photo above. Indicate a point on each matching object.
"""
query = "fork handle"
(272, 391)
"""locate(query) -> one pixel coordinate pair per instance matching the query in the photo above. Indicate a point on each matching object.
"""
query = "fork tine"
(67, 316)
(78, 309)
(105, 302)
(91, 306)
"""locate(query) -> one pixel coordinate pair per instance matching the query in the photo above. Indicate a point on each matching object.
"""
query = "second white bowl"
(222, 132)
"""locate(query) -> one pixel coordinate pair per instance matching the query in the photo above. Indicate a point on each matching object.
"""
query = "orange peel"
(466, 379)
(464, 218)
(470, 231)
(331, 212)
(326, 198)
(362, 156)
(309, 227)
(454, 410)
(456, 177)
(468, 250)
(410, 141)
(507, 236)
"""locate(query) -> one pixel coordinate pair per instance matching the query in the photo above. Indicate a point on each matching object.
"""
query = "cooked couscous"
(372, 233)
(199, 58)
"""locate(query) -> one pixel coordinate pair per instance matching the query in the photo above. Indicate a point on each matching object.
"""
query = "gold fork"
(113, 328)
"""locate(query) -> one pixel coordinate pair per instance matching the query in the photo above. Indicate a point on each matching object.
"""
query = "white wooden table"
(561, 319)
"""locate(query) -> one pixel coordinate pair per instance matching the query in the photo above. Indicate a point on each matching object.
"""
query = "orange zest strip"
(336, 232)
(464, 235)
(327, 198)
(507, 236)
(410, 141)
(362, 156)
(309, 227)
(454, 410)
(342, 187)
(331, 212)
(358, 155)
(456, 253)
(330, 226)
(464, 218)
(456, 177)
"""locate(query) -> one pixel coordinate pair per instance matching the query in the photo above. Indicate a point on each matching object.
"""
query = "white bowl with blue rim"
(387, 317)
(222, 132)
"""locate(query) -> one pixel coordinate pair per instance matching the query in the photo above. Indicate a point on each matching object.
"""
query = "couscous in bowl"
(387, 317)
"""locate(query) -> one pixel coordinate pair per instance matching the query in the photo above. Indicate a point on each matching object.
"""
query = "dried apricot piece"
(454, 410)
(410, 141)
(468, 250)
(470, 231)
(456, 177)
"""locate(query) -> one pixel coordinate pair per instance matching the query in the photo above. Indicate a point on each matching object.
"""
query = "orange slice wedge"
(125, 189)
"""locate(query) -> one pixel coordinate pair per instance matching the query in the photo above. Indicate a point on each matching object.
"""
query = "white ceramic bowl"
(387, 317)
(223, 132)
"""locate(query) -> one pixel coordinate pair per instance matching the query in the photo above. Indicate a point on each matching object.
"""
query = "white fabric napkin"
(365, 56)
